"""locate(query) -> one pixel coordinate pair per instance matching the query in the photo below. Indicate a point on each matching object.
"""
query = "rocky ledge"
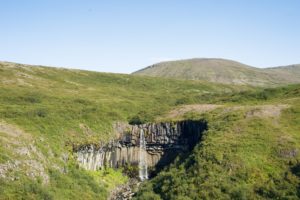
(164, 141)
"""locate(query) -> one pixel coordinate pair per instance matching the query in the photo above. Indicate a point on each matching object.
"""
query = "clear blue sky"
(123, 36)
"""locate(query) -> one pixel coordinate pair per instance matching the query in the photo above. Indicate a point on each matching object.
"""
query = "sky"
(124, 36)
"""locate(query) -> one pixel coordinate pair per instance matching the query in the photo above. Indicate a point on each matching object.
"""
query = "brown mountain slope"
(223, 71)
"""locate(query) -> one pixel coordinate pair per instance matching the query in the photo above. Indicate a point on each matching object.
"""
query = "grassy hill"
(223, 71)
(250, 151)
(44, 111)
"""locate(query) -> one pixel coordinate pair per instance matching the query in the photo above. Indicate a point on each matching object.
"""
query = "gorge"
(152, 145)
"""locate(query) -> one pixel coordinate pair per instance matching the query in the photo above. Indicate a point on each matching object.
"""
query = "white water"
(143, 171)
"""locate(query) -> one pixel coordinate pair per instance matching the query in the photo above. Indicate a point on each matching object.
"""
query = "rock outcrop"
(164, 141)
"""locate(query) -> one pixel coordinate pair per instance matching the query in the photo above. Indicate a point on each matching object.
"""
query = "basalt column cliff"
(163, 141)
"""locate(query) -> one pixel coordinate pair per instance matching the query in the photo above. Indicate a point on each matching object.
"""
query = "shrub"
(131, 171)
(41, 113)
(141, 118)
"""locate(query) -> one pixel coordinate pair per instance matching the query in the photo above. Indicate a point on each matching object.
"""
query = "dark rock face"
(164, 141)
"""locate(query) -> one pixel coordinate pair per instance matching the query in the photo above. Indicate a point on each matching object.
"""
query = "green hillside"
(45, 111)
(250, 150)
(223, 71)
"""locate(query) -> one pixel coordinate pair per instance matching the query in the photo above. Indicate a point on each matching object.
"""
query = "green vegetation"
(54, 102)
(243, 155)
(74, 184)
(58, 109)
(250, 150)
(252, 97)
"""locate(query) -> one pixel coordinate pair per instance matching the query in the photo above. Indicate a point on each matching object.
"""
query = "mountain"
(223, 71)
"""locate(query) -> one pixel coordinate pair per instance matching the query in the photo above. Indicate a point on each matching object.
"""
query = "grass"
(62, 108)
(75, 184)
(240, 157)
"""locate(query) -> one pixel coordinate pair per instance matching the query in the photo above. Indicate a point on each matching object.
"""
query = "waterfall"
(143, 171)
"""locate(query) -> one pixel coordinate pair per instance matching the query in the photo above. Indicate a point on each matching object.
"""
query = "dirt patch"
(266, 110)
(199, 108)
(12, 131)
